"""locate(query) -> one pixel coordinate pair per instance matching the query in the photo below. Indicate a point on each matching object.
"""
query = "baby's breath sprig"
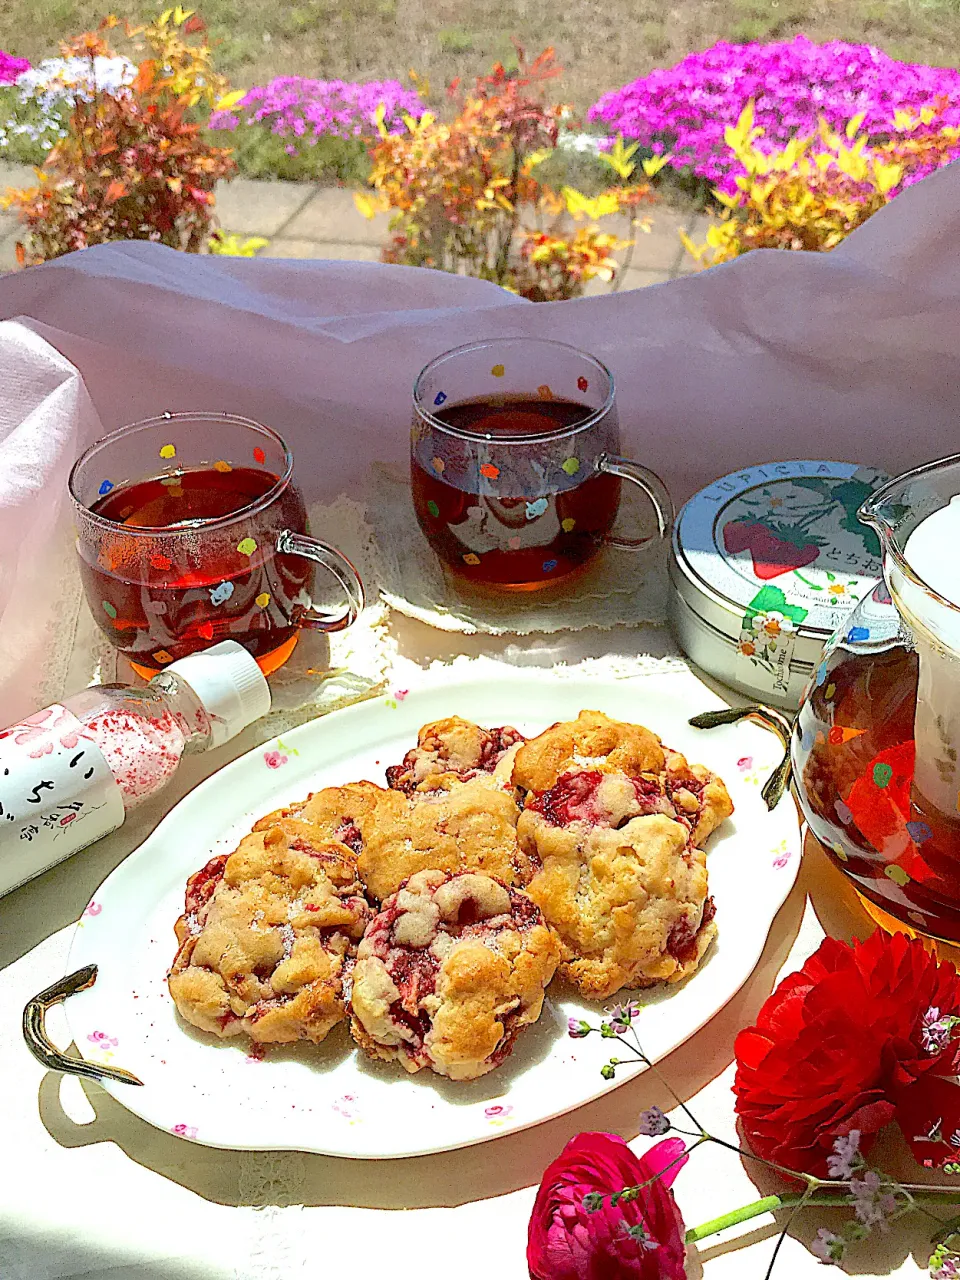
(875, 1199)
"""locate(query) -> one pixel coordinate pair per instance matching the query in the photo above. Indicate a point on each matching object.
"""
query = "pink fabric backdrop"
(850, 355)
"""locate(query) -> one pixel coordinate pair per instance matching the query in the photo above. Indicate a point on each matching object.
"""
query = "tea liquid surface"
(488, 531)
(192, 586)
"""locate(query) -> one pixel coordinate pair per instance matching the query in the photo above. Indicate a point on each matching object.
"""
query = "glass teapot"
(876, 741)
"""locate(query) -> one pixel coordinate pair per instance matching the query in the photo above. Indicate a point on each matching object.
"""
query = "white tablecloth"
(90, 1191)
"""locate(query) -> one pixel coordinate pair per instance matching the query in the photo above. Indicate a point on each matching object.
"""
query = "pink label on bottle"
(57, 794)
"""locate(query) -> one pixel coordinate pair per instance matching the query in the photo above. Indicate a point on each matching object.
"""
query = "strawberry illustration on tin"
(774, 548)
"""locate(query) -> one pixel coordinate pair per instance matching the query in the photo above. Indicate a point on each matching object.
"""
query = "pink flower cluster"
(11, 67)
(793, 83)
(296, 108)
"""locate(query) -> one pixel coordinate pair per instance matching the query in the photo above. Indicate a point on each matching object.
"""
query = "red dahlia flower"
(641, 1239)
(853, 1040)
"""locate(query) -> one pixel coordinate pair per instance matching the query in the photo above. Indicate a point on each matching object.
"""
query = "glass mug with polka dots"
(190, 531)
(515, 465)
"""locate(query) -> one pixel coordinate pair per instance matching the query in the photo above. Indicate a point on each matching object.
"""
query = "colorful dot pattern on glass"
(222, 467)
(247, 546)
(919, 832)
(168, 451)
(839, 735)
(105, 488)
(503, 500)
(259, 455)
(162, 656)
(109, 609)
(221, 593)
(263, 599)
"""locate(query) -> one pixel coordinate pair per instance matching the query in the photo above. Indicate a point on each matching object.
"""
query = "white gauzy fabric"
(46, 419)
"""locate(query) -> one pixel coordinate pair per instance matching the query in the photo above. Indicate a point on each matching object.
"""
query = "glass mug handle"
(652, 486)
(300, 544)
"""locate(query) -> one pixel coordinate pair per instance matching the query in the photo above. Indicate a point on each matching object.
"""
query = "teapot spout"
(885, 511)
(896, 509)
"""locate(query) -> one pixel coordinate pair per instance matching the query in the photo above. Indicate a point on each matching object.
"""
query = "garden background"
(797, 121)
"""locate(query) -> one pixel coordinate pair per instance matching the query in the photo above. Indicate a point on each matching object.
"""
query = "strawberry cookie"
(617, 823)
(452, 826)
(449, 972)
(455, 746)
(335, 813)
(268, 937)
(626, 772)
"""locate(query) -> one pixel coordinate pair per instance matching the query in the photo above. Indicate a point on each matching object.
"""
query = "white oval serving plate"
(330, 1098)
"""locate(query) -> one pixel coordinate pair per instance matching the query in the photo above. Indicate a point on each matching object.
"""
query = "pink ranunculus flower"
(638, 1240)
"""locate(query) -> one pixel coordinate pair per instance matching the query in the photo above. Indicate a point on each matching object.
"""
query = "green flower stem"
(815, 1200)
(735, 1216)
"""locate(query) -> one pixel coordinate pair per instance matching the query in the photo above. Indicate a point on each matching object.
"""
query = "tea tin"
(766, 563)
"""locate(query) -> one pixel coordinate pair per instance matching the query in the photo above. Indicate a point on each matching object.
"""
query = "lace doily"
(272, 1186)
(622, 588)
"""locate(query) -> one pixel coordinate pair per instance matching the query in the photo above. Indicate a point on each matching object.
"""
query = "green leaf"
(771, 599)
(794, 535)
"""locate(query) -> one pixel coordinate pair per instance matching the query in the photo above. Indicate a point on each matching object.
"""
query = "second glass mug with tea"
(515, 465)
(190, 531)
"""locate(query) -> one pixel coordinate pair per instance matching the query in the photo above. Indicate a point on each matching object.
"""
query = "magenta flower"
(304, 111)
(577, 1234)
(685, 109)
(11, 67)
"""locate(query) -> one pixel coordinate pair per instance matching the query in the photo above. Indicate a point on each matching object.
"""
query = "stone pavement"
(303, 220)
